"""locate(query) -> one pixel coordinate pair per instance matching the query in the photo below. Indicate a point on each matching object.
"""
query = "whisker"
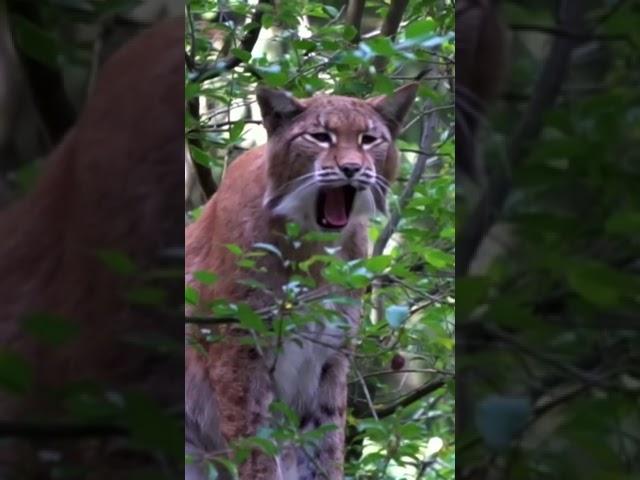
(383, 185)
(375, 189)
(301, 178)
(382, 180)
(370, 197)
(302, 187)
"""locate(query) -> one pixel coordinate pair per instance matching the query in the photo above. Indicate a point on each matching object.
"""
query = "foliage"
(400, 422)
(551, 320)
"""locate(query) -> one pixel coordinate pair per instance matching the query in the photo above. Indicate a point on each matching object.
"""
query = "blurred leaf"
(500, 418)
(117, 261)
(16, 375)
(36, 43)
(397, 315)
(50, 328)
(249, 319)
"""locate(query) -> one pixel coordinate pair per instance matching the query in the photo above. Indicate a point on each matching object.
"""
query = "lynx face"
(331, 158)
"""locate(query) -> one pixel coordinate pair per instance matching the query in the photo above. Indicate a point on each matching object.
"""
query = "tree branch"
(46, 82)
(203, 173)
(207, 72)
(59, 430)
(414, 396)
(579, 36)
(355, 9)
(427, 139)
(390, 26)
(267, 312)
(546, 90)
(392, 21)
(191, 58)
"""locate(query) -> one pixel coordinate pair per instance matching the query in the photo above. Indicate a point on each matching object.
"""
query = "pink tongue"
(334, 207)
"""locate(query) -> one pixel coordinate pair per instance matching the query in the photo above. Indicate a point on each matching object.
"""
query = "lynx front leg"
(203, 437)
(325, 461)
(328, 407)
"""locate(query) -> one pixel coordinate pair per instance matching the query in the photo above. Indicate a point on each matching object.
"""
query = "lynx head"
(330, 158)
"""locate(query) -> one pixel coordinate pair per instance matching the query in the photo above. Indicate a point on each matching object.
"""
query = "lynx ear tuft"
(394, 107)
(277, 107)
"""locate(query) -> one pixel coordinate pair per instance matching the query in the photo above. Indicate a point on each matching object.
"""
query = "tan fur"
(241, 212)
(111, 184)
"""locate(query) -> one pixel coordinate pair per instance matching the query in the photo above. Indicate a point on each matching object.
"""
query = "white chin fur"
(300, 207)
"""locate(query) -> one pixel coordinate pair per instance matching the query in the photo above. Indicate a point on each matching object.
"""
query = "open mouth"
(334, 206)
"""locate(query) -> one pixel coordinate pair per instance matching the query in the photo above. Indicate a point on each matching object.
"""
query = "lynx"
(327, 166)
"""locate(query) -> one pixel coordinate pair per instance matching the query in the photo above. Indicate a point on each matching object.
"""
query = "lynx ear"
(277, 107)
(395, 107)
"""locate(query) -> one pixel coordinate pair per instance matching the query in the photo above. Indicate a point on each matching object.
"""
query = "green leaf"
(471, 292)
(192, 90)
(35, 42)
(305, 45)
(267, 446)
(16, 375)
(146, 295)
(397, 315)
(235, 132)
(286, 411)
(201, 157)
(320, 432)
(243, 55)
(378, 264)
(276, 80)
(293, 230)
(117, 261)
(437, 258)
(151, 427)
(383, 85)
(595, 284)
(235, 249)
(381, 46)
(207, 278)
(250, 319)
(331, 10)
(623, 223)
(191, 296)
(420, 28)
(349, 32)
(50, 328)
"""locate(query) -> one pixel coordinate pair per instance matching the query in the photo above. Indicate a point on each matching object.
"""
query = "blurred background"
(89, 245)
(50, 52)
(547, 217)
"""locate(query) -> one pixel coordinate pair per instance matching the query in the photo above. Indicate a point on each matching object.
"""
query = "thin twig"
(365, 388)
(407, 400)
(426, 142)
(210, 71)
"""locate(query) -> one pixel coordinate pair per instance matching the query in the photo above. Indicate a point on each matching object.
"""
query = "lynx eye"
(321, 137)
(367, 139)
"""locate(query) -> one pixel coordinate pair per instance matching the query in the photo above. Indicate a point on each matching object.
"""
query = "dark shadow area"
(547, 250)
(92, 245)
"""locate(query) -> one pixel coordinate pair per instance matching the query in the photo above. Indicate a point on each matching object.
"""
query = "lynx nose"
(350, 169)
